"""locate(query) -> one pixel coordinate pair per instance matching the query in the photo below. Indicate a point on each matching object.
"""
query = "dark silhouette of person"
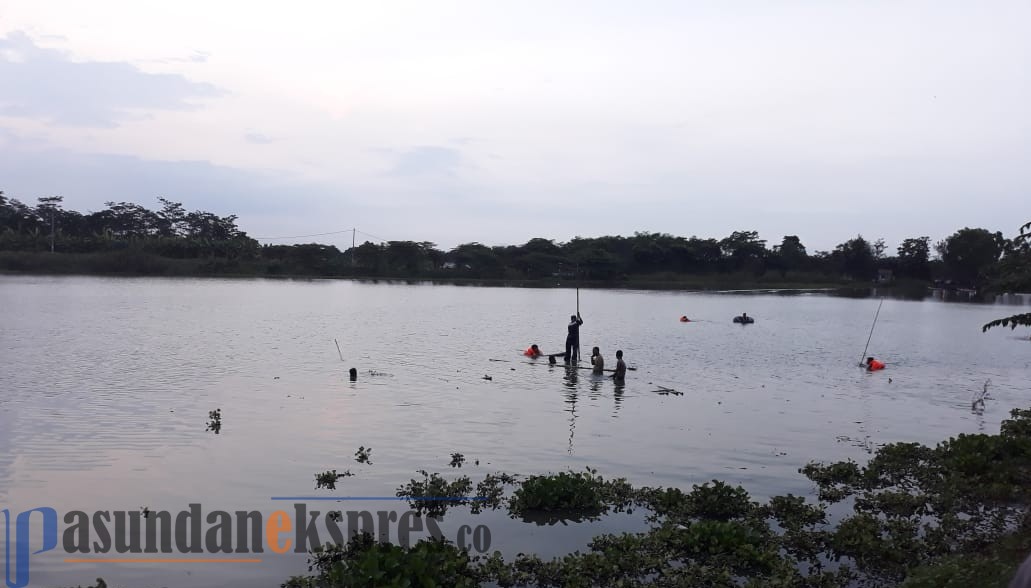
(620, 374)
(573, 338)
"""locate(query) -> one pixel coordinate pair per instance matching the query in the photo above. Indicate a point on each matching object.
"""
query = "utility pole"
(354, 232)
(50, 204)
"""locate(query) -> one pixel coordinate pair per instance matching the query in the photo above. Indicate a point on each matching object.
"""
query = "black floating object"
(487, 378)
(354, 374)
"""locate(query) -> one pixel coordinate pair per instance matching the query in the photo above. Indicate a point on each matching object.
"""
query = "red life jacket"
(875, 365)
(530, 352)
(684, 319)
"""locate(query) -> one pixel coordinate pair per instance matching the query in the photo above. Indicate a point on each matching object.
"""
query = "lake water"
(106, 385)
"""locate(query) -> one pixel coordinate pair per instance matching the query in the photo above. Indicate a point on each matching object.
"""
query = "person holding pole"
(573, 338)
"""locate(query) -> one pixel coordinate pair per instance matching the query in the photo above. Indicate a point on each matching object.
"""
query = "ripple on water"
(108, 384)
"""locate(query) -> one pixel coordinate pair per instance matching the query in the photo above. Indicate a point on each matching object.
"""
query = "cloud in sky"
(493, 122)
(427, 161)
(47, 84)
(258, 138)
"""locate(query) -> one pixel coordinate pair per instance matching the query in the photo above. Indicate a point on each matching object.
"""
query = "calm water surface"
(106, 384)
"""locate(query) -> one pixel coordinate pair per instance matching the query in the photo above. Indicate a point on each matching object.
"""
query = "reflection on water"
(108, 386)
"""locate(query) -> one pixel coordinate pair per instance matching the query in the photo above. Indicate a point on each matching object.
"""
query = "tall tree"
(969, 253)
(793, 255)
(47, 210)
(914, 258)
(855, 258)
(744, 248)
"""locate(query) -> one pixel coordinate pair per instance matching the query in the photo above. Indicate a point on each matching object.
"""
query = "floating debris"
(215, 420)
(362, 455)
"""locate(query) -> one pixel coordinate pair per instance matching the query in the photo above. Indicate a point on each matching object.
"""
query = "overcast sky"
(497, 122)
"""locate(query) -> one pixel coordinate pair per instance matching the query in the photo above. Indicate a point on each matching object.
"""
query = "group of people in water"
(619, 374)
(572, 352)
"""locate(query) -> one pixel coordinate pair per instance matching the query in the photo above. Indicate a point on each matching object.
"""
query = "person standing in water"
(573, 338)
(620, 376)
(597, 361)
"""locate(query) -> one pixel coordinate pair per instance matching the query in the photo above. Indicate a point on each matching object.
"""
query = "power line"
(303, 236)
(351, 230)
(373, 236)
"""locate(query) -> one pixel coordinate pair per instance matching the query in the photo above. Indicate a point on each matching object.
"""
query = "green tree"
(855, 258)
(48, 210)
(969, 253)
(1014, 274)
(914, 258)
(792, 252)
(744, 249)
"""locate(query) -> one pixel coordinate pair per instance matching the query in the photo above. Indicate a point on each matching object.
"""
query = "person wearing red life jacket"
(533, 351)
(872, 365)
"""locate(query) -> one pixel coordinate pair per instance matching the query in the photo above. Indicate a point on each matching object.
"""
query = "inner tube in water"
(747, 320)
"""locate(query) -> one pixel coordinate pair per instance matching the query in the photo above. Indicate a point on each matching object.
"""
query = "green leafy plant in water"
(954, 515)
(490, 492)
(364, 562)
(215, 421)
(457, 459)
(328, 479)
(433, 495)
(363, 455)
(569, 495)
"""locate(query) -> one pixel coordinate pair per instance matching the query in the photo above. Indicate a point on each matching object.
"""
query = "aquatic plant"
(954, 515)
(573, 495)
(362, 455)
(457, 459)
(328, 479)
(364, 562)
(491, 491)
(215, 420)
(433, 495)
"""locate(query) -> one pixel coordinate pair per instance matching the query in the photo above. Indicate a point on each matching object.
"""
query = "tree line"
(971, 257)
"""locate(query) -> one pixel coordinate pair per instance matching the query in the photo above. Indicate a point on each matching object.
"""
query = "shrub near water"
(957, 515)
(364, 562)
(577, 493)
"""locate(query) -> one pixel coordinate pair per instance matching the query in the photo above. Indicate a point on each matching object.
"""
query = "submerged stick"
(338, 350)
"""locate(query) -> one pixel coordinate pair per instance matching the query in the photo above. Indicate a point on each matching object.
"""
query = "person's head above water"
(869, 359)
(535, 348)
(572, 317)
(595, 351)
(619, 354)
